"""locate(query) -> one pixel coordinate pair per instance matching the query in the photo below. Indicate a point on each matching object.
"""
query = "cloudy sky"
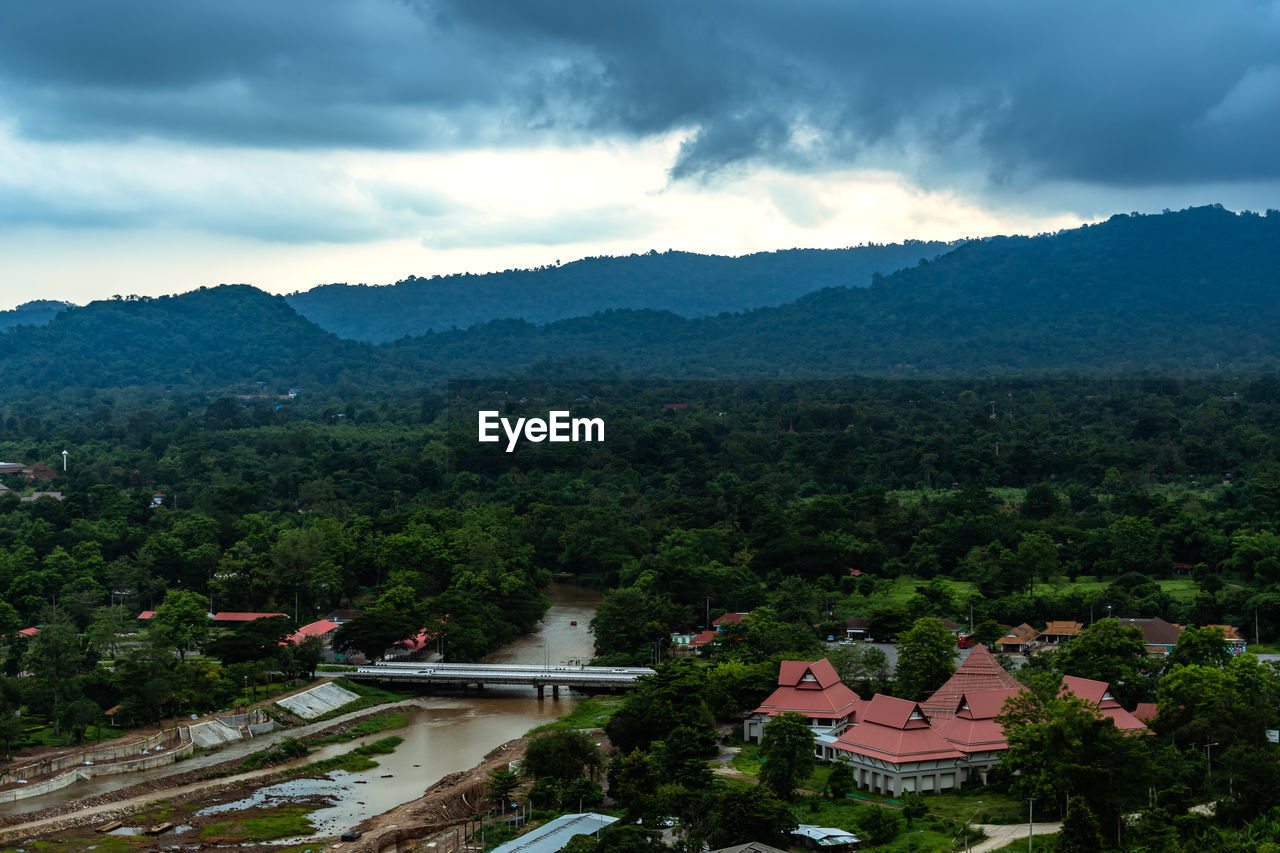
(150, 147)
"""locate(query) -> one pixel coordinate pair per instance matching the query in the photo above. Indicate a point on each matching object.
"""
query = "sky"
(151, 147)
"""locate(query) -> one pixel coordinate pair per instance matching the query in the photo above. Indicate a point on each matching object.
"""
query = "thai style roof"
(973, 728)
(896, 731)
(980, 671)
(1098, 693)
(811, 688)
(1020, 635)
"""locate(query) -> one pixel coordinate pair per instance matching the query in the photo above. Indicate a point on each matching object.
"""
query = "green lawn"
(590, 713)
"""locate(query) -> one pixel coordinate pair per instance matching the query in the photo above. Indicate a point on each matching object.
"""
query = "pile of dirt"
(453, 800)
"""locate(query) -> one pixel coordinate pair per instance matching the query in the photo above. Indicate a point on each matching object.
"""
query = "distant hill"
(1192, 290)
(212, 339)
(685, 284)
(35, 313)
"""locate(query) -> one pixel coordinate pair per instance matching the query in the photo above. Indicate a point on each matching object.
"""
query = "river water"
(445, 734)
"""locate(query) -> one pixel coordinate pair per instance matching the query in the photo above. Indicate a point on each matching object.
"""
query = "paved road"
(998, 835)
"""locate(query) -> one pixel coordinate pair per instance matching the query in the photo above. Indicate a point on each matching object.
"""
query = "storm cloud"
(1131, 94)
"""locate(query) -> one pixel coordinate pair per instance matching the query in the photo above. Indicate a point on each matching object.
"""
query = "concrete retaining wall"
(168, 739)
(318, 700)
(158, 759)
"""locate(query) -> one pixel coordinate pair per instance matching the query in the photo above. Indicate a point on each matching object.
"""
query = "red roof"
(147, 614)
(418, 641)
(979, 672)
(896, 731)
(703, 638)
(812, 689)
(1098, 693)
(29, 632)
(728, 619)
(973, 728)
(234, 616)
(315, 629)
(1146, 711)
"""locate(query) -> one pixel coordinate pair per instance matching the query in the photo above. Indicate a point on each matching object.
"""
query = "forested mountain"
(683, 283)
(1193, 290)
(226, 339)
(35, 313)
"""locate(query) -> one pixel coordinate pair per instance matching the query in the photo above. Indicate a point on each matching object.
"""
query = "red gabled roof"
(235, 616)
(807, 675)
(728, 619)
(1098, 694)
(896, 731)
(980, 671)
(147, 614)
(1146, 711)
(29, 632)
(812, 689)
(1020, 635)
(974, 728)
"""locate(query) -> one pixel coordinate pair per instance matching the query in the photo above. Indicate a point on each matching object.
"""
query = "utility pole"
(1031, 830)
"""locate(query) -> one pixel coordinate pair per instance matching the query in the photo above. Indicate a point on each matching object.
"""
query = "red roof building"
(810, 688)
(728, 619)
(1098, 694)
(979, 672)
(233, 618)
(893, 749)
(973, 729)
(322, 629)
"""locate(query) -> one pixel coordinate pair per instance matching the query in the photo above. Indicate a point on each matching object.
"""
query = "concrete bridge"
(480, 674)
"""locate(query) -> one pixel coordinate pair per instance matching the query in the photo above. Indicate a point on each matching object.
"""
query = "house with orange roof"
(1058, 632)
(980, 671)
(1018, 641)
(893, 750)
(812, 688)
(972, 729)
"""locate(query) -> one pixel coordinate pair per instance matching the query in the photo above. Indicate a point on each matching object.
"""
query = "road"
(998, 834)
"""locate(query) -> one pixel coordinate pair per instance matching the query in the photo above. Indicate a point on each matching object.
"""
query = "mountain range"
(1191, 291)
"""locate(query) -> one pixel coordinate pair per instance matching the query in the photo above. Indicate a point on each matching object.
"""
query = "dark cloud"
(1129, 94)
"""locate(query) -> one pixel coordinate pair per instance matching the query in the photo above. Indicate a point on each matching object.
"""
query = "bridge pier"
(555, 691)
(541, 688)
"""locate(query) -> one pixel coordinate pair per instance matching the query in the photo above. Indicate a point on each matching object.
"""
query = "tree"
(926, 658)
(841, 781)
(502, 782)
(741, 815)
(659, 704)
(861, 666)
(633, 781)
(565, 754)
(787, 746)
(1061, 746)
(1111, 652)
(183, 620)
(55, 661)
(1080, 833)
(1200, 646)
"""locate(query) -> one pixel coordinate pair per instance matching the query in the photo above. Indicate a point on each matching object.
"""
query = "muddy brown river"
(445, 734)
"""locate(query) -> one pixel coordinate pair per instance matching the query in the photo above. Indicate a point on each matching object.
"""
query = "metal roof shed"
(552, 837)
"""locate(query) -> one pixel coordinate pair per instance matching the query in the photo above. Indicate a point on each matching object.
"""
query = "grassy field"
(260, 825)
(590, 713)
(367, 726)
(904, 588)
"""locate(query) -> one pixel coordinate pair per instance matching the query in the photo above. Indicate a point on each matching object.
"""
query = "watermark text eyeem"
(557, 427)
